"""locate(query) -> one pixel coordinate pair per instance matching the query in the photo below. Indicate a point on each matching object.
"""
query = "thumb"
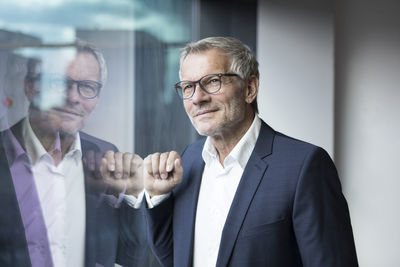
(178, 170)
(104, 168)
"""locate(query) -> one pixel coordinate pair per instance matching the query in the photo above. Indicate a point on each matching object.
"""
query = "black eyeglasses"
(210, 84)
(88, 89)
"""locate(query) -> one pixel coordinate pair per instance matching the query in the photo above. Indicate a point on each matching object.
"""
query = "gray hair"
(34, 65)
(243, 60)
(85, 47)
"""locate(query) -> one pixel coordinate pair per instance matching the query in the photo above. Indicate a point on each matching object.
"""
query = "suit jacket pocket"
(262, 228)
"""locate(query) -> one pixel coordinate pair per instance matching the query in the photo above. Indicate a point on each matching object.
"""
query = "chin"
(70, 129)
(202, 133)
(205, 130)
(204, 127)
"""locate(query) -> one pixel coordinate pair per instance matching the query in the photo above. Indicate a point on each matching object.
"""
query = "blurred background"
(330, 75)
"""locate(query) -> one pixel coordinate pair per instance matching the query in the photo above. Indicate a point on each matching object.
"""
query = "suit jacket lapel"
(251, 178)
(91, 203)
(90, 246)
(12, 232)
(185, 211)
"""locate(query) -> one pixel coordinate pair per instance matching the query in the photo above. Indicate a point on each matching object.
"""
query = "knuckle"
(127, 155)
(136, 157)
(155, 158)
(108, 153)
(136, 161)
(174, 154)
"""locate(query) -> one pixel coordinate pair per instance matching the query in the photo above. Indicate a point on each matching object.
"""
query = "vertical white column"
(368, 124)
(295, 52)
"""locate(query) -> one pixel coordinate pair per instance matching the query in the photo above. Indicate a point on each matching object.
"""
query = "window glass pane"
(123, 30)
(43, 71)
(159, 111)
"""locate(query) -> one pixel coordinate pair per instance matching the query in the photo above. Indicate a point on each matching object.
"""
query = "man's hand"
(162, 172)
(122, 171)
(115, 172)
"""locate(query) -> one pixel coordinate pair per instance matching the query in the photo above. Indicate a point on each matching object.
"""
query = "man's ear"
(251, 89)
(29, 89)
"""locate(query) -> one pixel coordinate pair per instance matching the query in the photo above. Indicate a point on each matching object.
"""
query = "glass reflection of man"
(61, 205)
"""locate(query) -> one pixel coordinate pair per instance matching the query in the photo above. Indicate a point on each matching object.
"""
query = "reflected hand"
(115, 172)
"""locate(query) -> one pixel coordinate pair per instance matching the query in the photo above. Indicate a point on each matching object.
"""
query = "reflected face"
(219, 113)
(70, 115)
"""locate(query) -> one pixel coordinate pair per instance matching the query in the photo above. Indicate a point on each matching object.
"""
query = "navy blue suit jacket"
(288, 210)
(112, 235)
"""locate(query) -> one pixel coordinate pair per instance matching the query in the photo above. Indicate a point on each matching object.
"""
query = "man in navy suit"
(60, 205)
(246, 195)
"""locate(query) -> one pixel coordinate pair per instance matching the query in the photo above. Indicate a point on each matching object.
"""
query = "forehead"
(196, 65)
(84, 67)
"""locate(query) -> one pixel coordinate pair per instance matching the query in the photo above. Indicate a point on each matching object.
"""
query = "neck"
(226, 141)
(49, 139)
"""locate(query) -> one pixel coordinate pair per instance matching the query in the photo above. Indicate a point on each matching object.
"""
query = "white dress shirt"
(217, 190)
(61, 191)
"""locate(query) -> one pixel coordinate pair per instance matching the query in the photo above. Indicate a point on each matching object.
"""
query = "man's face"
(219, 113)
(69, 116)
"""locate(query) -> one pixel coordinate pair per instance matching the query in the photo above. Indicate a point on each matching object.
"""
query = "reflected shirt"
(61, 192)
(28, 201)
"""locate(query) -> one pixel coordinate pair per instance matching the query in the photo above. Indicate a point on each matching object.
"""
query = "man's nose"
(73, 93)
(200, 95)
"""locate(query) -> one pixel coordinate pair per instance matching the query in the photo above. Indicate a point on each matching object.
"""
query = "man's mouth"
(68, 111)
(204, 111)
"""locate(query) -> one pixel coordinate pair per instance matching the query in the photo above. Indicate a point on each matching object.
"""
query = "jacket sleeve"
(132, 245)
(321, 219)
(159, 230)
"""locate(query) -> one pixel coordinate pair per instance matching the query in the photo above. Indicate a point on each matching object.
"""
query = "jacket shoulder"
(194, 147)
(292, 144)
(90, 142)
(289, 152)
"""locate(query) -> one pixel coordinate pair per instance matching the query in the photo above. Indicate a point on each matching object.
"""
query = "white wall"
(295, 52)
(368, 125)
(356, 104)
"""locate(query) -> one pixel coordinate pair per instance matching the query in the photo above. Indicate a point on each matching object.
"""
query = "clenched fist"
(115, 172)
(162, 172)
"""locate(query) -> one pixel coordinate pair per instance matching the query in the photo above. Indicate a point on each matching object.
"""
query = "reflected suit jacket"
(288, 210)
(112, 234)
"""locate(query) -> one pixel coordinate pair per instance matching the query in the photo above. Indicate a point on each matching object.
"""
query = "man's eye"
(215, 80)
(187, 87)
(211, 81)
(87, 86)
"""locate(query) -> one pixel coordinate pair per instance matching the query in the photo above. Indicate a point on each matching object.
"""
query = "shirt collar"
(75, 150)
(209, 152)
(242, 150)
(35, 149)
